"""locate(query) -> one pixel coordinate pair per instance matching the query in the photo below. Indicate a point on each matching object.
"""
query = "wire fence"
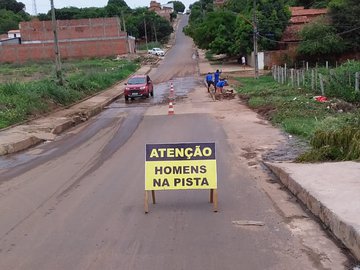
(342, 82)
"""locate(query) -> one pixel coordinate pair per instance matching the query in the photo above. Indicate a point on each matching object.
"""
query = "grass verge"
(332, 128)
(24, 100)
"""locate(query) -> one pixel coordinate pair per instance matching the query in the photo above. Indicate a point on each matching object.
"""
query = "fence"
(341, 82)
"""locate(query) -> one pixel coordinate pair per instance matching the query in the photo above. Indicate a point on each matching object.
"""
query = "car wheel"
(126, 98)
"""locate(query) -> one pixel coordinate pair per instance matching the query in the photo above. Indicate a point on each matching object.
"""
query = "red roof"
(299, 17)
(308, 12)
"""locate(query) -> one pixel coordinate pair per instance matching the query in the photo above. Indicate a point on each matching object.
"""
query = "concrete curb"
(30, 141)
(19, 145)
(342, 230)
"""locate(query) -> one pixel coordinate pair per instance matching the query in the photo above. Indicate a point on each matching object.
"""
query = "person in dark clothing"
(209, 81)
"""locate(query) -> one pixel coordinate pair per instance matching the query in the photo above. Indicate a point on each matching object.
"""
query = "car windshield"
(137, 80)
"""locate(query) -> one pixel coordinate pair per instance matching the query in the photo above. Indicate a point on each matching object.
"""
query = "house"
(162, 10)
(299, 18)
(14, 34)
(291, 36)
(12, 37)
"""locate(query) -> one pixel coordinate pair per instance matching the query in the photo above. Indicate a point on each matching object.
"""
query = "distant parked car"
(156, 51)
(138, 86)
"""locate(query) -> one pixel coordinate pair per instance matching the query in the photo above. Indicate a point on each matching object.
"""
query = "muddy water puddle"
(162, 92)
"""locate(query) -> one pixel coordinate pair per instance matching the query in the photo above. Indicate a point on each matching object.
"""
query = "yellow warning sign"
(180, 166)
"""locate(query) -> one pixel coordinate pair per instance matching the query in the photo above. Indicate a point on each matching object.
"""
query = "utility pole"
(146, 39)
(56, 45)
(123, 21)
(156, 40)
(256, 75)
(35, 8)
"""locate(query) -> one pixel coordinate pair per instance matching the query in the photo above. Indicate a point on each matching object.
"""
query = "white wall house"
(14, 34)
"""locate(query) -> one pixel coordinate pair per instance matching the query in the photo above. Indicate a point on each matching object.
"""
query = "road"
(77, 202)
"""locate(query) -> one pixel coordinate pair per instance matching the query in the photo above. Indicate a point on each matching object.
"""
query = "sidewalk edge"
(345, 232)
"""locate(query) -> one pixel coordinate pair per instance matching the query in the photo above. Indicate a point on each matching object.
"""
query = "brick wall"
(71, 29)
(68, 50)
(279, 57)
(100, 37)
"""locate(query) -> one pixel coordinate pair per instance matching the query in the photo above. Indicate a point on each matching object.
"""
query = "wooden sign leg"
(211, 195)
(153, 196)
(215, 206)
(146, 202)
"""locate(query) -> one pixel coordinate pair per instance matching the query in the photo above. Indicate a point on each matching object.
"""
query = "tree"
(235, 38)
(273, 17)
(345, 16)
(216, 32)
(119, 3)
(156, 26)
(67, 13)
(319, 40)
(116, 8)
(9, 20)
(12, 5)
(178, 6)
(11, 13)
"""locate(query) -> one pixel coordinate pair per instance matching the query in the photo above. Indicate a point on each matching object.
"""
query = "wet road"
(77, 203)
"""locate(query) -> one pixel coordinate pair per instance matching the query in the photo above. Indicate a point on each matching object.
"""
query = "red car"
(138, 86)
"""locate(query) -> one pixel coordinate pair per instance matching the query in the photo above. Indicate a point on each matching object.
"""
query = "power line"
(294, 42)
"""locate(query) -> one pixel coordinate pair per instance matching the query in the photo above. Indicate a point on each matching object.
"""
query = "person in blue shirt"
(209, 80)
(220, 85)
(216, 77)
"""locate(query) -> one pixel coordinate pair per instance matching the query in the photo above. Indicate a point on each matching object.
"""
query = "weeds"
(332, 133)
(20, 101)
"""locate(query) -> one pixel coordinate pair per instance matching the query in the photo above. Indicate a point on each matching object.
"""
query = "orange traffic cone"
(171, 109)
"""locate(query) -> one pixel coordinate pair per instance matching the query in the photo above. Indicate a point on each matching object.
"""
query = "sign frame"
(180, 166)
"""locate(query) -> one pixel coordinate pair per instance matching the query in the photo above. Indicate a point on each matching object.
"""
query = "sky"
(43, 6)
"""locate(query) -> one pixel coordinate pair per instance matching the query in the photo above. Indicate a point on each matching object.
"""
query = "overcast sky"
(43, 6)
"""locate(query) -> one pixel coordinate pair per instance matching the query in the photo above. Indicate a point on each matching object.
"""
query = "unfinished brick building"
(100, 37)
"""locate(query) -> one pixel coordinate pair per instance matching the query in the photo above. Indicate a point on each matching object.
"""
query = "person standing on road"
(243, 61)
(216, 77)
(209, 81)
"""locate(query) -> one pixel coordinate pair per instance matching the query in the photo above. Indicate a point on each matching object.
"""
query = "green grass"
(22, 100)
(295, 111)
(150, 45)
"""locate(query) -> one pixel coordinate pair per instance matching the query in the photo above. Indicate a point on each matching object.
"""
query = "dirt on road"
(253, 139)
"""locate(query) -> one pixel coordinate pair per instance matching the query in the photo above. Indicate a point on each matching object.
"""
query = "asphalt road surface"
(77, 202)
